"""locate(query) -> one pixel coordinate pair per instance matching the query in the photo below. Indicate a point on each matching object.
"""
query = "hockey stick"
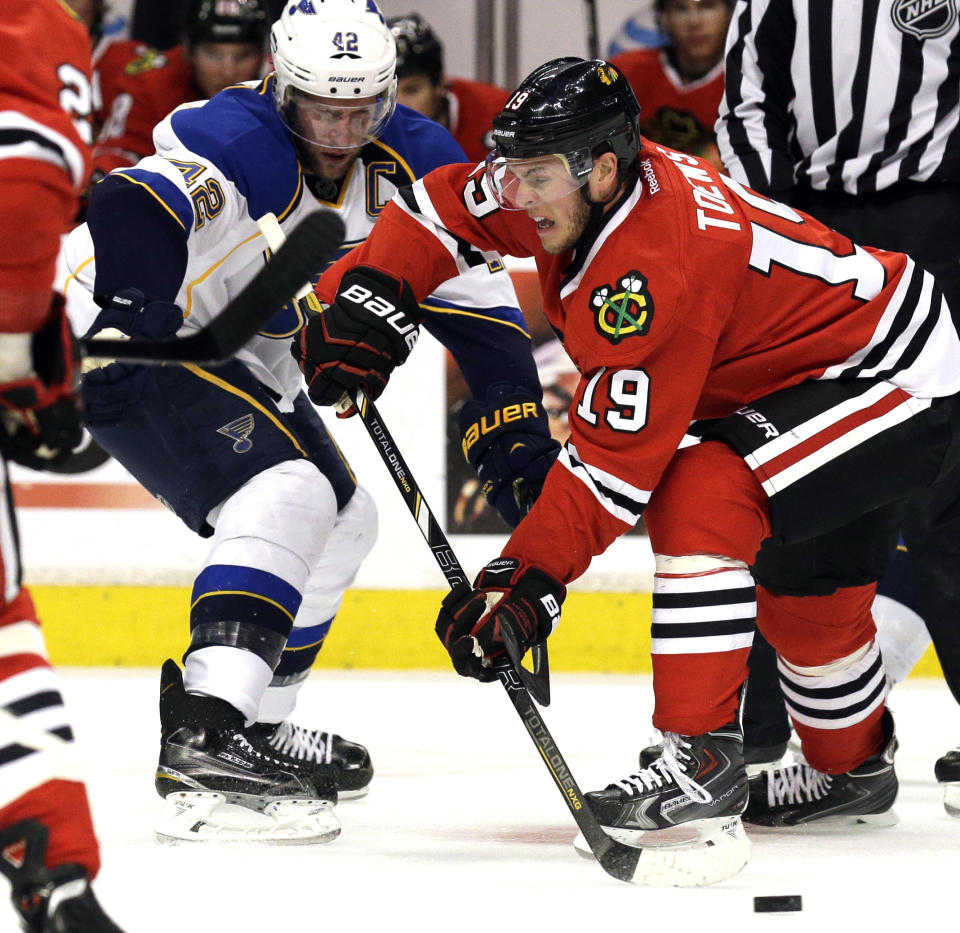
(307, 250)
(615, 858)
(593, 43)
(536, 681)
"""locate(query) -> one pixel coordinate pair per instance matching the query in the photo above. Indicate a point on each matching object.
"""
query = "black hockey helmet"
(418, 49)
(571, 108)
(225, 21)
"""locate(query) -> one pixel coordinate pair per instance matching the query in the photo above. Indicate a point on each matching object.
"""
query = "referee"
(849, 110)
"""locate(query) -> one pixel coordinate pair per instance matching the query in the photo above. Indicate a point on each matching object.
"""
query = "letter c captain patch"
(624, 310)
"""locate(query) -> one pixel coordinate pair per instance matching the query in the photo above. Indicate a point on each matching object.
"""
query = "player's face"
(336, 132)
(698, 29)
(217, 65)
(419, 93)
(551, 198)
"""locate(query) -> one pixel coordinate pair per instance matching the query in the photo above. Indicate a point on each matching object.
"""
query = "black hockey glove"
(469, 620)
(358, 341)
(506, 439)
(40, 415)
(107, 390)
(130, 312)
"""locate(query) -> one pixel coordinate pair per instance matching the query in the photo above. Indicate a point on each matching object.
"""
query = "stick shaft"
(616, 859)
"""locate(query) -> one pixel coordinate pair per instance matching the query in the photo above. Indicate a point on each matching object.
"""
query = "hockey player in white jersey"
(238, 451)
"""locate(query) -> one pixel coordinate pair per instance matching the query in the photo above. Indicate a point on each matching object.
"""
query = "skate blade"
(716, 850)
(841, 821)
(190, 816)
(951, 799)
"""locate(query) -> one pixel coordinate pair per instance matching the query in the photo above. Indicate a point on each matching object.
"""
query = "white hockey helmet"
(342, 52)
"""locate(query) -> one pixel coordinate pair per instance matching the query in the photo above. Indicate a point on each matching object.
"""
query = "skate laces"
(300, 742)
(668, 768)
(796, 784)
(245, 745)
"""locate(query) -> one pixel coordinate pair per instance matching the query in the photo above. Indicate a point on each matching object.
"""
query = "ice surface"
(464, 830)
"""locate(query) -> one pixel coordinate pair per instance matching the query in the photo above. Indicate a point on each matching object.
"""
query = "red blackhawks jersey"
(695, 297)
(109, 61)
(136, 97)
(473, 105)
(45, 103)
(673, 113)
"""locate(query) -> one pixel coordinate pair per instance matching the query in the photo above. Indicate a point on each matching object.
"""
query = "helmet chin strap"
(597, 210)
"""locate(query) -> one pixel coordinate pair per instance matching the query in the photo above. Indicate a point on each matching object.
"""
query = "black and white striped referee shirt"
(841, 95)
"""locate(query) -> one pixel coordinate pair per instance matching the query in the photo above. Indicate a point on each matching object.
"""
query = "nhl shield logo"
(925, 19)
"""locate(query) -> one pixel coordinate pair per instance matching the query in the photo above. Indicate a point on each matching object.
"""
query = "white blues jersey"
(223, 163)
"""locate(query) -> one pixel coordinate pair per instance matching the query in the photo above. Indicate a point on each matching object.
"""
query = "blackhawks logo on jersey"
(623, 310)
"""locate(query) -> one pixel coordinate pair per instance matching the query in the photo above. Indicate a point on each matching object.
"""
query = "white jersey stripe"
(61, 151)
(694, 614)
(618, 497)
(707, 644)
(803, 432)
(836, 448)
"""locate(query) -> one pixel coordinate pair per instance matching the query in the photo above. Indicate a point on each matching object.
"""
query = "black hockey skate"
(48, 900)
(756, 757)
(684, 808)
(203, 748)
(799, 795)
(329, 757)
(947, 772)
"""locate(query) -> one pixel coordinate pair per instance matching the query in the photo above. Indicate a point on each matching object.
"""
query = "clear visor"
(522, 184)
(332, 123)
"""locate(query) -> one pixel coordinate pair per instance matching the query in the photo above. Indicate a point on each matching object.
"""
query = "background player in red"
(799, 359)
(223, 44)
(47, 845)
(464, 107)
(679, 87)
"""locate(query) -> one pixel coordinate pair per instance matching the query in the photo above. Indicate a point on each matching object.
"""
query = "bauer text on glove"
(359, 340)
(506, 439)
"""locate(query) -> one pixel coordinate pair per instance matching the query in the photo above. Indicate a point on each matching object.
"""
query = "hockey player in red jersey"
(224, 44)
(743, 370)
(679, 86)
(48, 850)
(464, 107)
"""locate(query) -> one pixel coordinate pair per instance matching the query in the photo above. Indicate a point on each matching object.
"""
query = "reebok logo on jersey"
(925, 19)
(240, 430)
(650, 176)
(624, 310)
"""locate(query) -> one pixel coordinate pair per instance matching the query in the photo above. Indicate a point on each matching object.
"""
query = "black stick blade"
(311, 244)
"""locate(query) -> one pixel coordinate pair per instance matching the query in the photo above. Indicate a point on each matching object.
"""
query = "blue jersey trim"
(240, 131)
(309, 635)
(423, 143)
(164, 190)
(220, 578)
(502, 314)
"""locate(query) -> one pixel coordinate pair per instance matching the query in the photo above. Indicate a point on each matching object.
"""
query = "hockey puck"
(780, 903)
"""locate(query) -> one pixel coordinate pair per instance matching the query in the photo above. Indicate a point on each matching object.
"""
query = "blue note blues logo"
(925, 19)
(239, 431)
